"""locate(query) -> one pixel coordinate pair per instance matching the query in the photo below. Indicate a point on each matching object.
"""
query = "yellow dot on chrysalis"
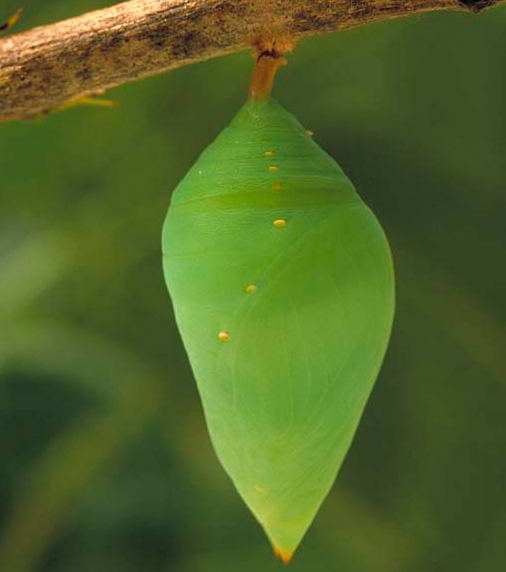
(269, 153)
(280, 222)
(276, 186)
(224, 336)
(273, 168)
(309, 132)
(251, 288)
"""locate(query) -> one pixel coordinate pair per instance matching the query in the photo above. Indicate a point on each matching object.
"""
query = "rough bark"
(45, 67)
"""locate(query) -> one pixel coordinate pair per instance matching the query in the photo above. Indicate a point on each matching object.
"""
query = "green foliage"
(106, 463)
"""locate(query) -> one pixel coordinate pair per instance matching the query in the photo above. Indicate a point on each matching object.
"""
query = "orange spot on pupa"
(285, 557)
(251, 288)
(224, 336)
(309, 132)
(269, 153)
(276, 186)
(280, 222)
(273, 167)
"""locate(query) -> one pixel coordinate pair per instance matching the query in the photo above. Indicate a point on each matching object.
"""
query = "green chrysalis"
(283, 291)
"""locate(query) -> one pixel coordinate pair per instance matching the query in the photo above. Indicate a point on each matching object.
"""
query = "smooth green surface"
(284, 394)
(105, 460)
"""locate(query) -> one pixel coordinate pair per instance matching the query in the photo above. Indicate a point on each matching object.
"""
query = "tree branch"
(45, 67)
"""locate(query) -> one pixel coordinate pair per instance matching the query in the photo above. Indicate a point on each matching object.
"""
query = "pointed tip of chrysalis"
(285, 557)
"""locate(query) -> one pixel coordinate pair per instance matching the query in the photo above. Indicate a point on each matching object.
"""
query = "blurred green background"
(106, 464)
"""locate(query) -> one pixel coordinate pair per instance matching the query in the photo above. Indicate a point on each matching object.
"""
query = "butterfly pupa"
(282, 284)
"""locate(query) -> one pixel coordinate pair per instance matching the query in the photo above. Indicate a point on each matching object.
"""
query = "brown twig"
(43, 68)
